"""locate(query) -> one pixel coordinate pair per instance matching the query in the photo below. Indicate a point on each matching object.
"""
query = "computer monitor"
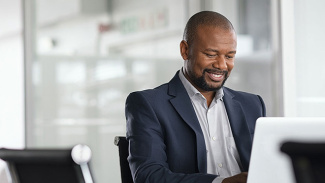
(268, 164)
(48, 165)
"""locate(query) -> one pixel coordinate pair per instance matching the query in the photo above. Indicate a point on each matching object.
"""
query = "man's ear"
(184, 49)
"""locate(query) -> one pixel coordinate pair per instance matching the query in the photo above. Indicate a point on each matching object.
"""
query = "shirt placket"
(214, 140)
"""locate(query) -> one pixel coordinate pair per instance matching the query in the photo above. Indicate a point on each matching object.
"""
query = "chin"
(217, 87)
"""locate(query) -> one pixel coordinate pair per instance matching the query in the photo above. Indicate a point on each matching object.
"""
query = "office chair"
(123, 147)
(308, 161)
(48, 165)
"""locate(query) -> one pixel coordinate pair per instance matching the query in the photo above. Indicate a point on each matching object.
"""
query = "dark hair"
(208, 18)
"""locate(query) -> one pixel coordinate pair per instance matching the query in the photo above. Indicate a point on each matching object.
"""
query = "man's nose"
(220, 63)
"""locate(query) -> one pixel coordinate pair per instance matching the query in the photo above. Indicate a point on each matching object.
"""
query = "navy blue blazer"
(166, 143)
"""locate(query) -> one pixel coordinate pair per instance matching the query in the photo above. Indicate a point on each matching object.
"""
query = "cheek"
(230, 66)
(197, 65)
(192, 67)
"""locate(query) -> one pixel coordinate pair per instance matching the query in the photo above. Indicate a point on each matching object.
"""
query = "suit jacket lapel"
(182, 104)
(239, 127)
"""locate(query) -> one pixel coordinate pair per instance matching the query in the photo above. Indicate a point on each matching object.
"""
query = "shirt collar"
(191, 90)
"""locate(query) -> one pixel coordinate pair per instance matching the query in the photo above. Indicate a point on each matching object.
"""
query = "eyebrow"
(213, 50)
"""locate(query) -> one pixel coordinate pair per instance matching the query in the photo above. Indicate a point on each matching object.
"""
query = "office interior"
(66, 67)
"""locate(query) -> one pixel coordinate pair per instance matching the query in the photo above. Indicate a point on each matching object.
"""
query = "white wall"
(11, 75)
(309, 46)
(302, 48)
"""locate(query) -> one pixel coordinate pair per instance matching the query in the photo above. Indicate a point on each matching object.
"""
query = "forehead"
(216, 36)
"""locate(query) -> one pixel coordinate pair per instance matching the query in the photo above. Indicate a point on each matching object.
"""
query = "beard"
(201, 82)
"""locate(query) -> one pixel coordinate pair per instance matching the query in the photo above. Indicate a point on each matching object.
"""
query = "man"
(193, 129)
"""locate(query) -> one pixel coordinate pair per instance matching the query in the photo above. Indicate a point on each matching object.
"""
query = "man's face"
(209, 59)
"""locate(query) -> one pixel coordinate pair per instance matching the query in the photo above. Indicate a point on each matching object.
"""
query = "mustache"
(216, 71)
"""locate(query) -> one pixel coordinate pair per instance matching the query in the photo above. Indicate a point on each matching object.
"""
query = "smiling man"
(193, 129)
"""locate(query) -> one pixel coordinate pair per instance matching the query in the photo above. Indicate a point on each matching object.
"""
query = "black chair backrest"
(123, 146)
(42, 165)
(308, 161)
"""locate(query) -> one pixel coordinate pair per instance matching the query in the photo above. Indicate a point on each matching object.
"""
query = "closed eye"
(209, 55)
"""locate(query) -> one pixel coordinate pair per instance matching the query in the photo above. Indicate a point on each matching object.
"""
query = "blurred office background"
(66, 67)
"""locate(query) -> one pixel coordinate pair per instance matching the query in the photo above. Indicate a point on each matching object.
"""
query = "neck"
(209, 96)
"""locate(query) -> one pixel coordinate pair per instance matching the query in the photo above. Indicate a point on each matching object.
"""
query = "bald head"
(205, 18)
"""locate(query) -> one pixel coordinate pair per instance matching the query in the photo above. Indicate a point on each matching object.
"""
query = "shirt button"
(214, 138)
(220, 165)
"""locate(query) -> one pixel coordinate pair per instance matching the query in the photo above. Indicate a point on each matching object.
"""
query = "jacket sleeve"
(147, 150)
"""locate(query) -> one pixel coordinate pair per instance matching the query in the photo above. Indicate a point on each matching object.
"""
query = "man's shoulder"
(244, 98)
(239, 94)
(153, 91)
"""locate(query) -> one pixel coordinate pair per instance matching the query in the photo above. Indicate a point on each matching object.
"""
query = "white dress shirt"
(222, 155)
